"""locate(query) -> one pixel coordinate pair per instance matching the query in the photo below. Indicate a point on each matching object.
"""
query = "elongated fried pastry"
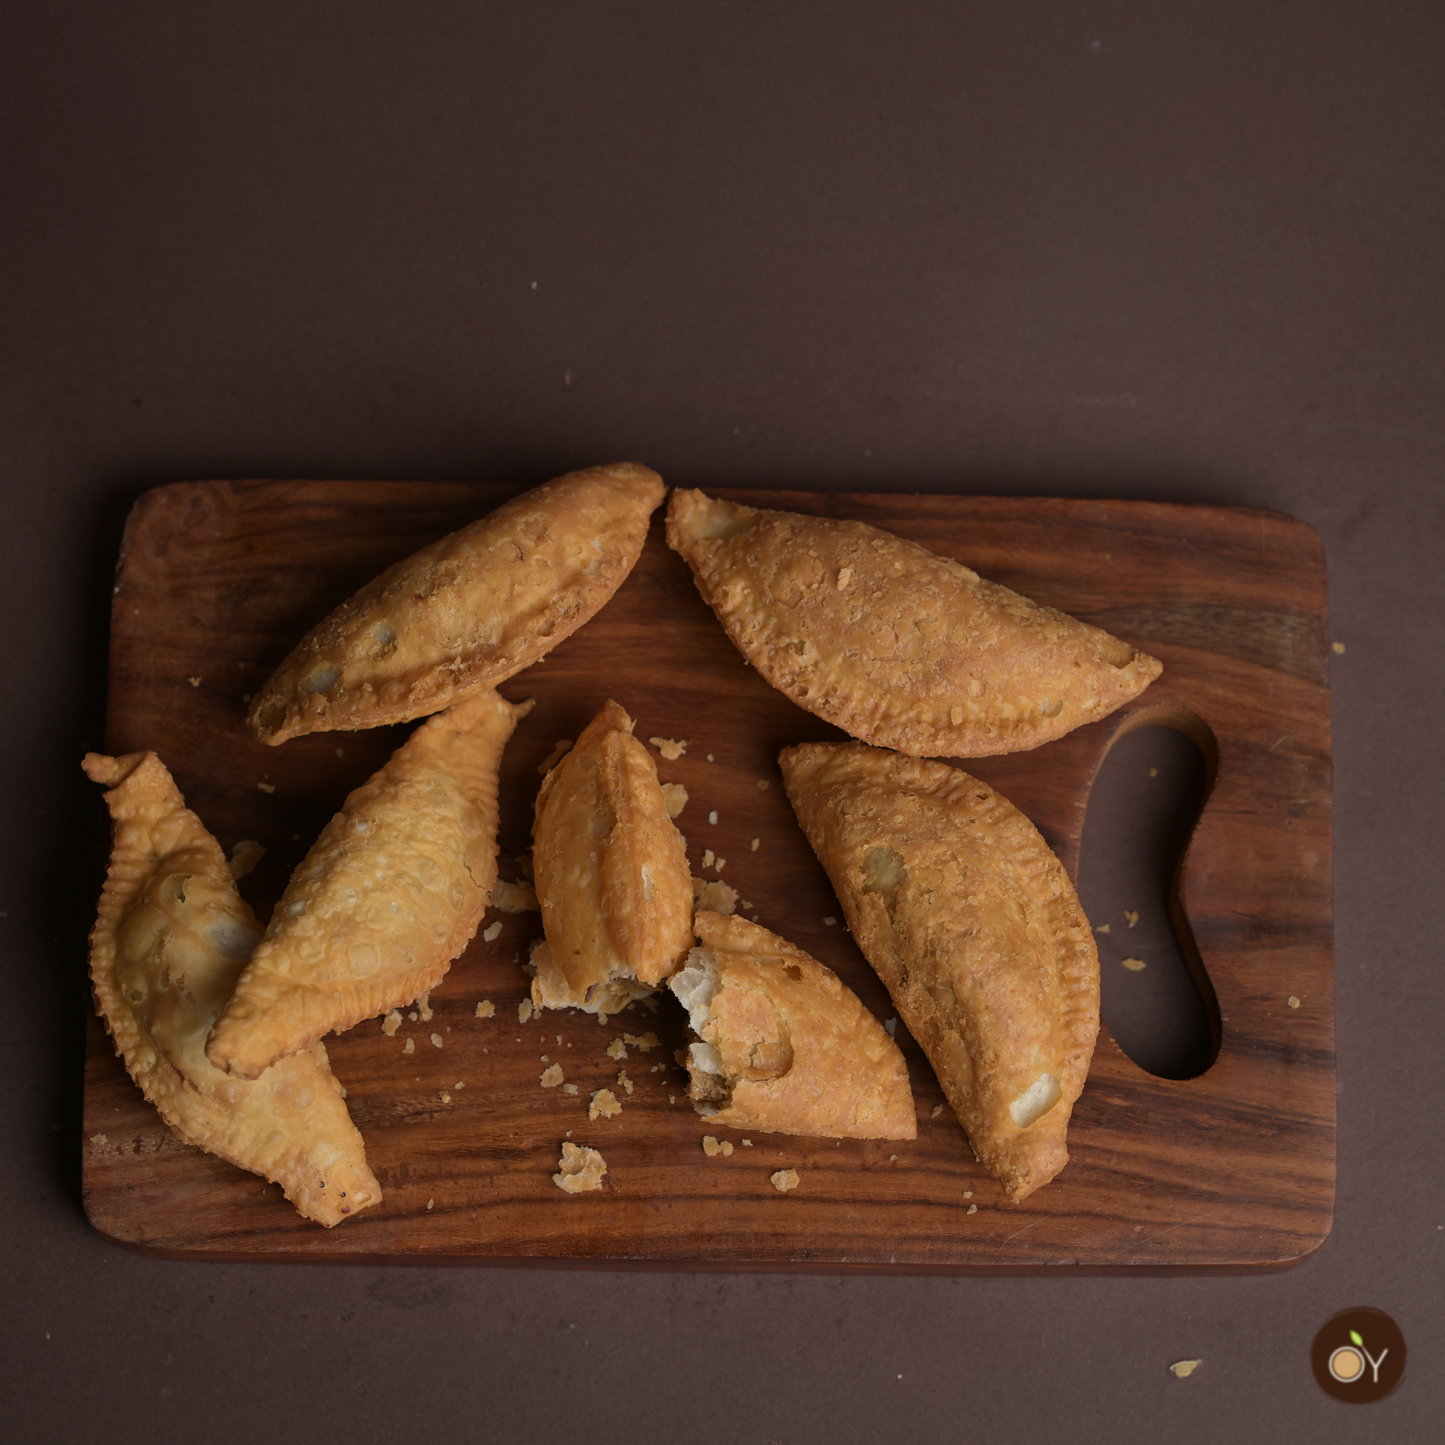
(783, 1045)
(974, 927)
(390, 893)
(467, 612)
(612, 875)
(891, 642)
(172, 935)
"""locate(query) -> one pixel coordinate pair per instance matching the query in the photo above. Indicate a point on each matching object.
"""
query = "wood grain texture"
(1232, 1170)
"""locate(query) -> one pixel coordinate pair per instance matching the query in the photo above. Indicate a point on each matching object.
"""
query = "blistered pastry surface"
(893, 643)
(801, 1053)
(467, 612)
(612, 875)
(391, 892)
(172, 936)
(976, 930)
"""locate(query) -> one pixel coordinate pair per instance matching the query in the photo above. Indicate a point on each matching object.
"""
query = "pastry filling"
(1035, 1101)
(694, 984)
(711, 1079)
(885, 872)
(550, 988)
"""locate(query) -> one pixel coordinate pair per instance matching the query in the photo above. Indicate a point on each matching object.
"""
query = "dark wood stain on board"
(1231, 1170)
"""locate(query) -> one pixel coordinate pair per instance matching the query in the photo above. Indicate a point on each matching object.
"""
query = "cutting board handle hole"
(1150, 790)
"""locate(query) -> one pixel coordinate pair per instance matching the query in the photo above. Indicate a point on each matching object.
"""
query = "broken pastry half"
(893, 643)
(782, 1044)
(171, 937)
(467, 612)
(975, 928)
(391, 892)
(611, 875)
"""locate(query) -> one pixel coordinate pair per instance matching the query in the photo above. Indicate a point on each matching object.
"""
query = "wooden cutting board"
(1231, 1170)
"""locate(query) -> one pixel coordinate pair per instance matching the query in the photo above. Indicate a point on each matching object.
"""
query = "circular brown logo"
(1359, 1356)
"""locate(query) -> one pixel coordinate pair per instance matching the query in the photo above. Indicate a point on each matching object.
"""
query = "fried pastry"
(390, 893)
(974, 927)
(611, 872)
(467, 612)
(783, 1045)
(172, 936)
(893, 643)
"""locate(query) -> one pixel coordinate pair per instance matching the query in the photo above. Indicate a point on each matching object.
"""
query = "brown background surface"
(1187, 253)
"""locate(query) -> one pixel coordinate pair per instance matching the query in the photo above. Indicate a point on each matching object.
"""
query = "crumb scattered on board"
(616, 1050)
(569, 1088)
(671, 748)
(784, 1180)
(1293, 1000)
(674, 797)
(763, 785)
(718, 896)
(1132, 916)
(623, 1082)
(391, 1023)
(581, 1169)
(1339, 648)
(244, 857)
(99, 1139)
(436, 1041)
(1182, 1369)
(830, 921)
(524, 1010)
(551, 1076)
(937, 1110)
(423, 1007)
(972, 1209)
(712, 817)
(486, 1009)
(604, 1103)
(492, 932)
(267, 787)
(515, 898)
(641, 1041)
(754, 844)
(1133, 964)
(712, 1148)
(1103, 928)
(409, 1047)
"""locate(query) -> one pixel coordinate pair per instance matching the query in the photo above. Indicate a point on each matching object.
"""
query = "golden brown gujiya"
(611, 873)
(783, 1045)
(467, 612)
(893, 643)
(391, 892)
(975, 928)
(171, 937)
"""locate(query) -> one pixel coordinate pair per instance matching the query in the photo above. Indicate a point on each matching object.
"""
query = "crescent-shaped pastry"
(783, 1045)
(468, 611)
(891, 642)
(172, 935)
(974, 927)
(611, 872)
(390, 893)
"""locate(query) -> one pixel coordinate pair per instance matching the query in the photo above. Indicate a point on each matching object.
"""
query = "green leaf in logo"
(1356, 1340)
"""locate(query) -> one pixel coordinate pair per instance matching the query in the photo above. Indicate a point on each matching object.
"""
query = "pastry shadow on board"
(1232, 1170)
